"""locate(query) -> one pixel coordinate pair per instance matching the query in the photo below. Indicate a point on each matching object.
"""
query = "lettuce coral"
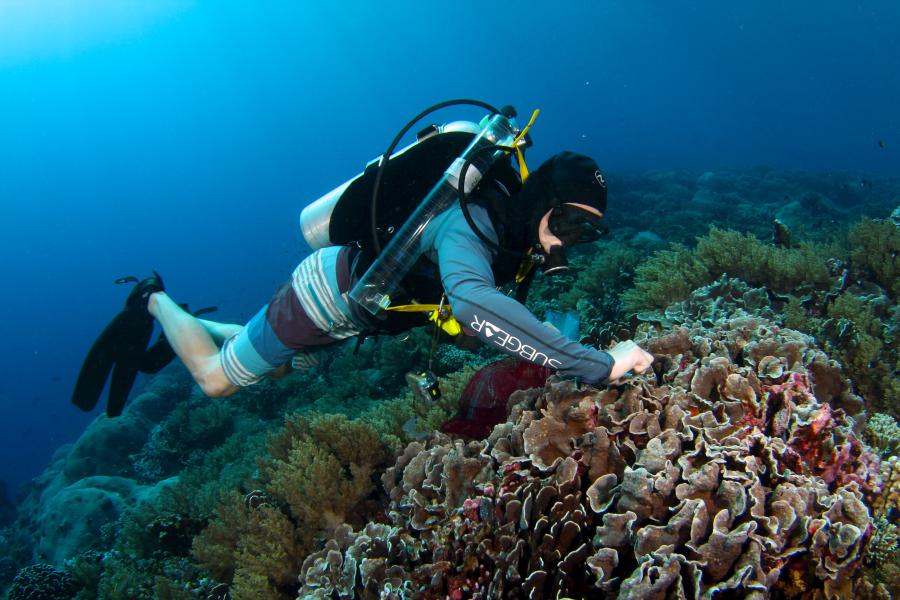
(733, 470)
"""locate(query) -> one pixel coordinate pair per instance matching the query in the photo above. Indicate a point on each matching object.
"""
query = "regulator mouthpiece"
(555, 261)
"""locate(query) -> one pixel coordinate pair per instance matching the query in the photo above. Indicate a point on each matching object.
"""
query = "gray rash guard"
(499, 320)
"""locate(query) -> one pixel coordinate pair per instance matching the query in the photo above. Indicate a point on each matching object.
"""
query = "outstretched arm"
(501, 321)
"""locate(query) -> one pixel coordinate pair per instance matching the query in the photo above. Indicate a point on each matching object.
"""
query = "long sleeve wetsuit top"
(312, 309)
(499, 320)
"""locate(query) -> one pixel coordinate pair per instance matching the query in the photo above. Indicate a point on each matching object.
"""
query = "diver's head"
(566, 198)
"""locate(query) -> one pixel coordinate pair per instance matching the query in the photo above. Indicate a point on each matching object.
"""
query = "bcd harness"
(441, 314)
(338, 217)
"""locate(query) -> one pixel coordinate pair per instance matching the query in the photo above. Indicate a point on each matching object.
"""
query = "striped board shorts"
(310, 310)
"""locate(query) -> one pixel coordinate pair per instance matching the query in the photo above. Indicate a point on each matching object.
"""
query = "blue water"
(186, 137)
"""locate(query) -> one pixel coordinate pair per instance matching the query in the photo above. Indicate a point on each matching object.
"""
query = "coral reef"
(876, 249)
(670, 275)
(734, 469)
(42, 582)
(883, 433)
(319, 474)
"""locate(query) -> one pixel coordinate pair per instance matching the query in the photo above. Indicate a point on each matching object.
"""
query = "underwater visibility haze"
(751, 152)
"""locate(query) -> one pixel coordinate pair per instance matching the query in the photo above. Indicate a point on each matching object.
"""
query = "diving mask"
(574, 225)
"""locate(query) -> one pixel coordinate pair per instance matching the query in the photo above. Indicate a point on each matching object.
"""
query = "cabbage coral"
(734, 469)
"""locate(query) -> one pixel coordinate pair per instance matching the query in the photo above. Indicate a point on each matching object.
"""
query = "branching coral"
(883, 433)
(44, 582)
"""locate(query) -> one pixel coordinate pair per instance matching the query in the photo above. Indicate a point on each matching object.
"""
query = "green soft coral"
(744, 256)
(608, 271)
(319, 472)
(859, 335)
(668, 276)
(258, 549)
(875, 247)
(322, 467)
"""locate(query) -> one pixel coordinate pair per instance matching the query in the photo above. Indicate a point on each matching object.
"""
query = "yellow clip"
(439, 314)
(415, 307)
(450, 325)
(524, 267)
(520, 155)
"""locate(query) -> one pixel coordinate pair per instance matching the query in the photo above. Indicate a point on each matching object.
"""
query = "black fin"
(98, 365)
(205, 310)
(118, 350)
(157, 356)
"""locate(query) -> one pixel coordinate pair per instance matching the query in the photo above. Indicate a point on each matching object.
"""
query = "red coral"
(470, 508)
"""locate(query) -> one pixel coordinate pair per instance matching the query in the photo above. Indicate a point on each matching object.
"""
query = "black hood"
(564, 177)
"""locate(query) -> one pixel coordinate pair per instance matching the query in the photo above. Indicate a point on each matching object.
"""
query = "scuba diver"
(500, 234)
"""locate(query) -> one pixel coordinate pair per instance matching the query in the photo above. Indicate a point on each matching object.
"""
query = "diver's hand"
(628, 357)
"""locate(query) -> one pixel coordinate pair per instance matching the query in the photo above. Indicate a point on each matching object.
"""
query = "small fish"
(56, 378)
(881, 143)
(411, 427)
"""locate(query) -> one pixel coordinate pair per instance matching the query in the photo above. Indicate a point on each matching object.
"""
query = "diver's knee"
(215, 385)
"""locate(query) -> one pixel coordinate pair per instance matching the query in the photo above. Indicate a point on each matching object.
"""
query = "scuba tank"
(341, 216)
(456, 156)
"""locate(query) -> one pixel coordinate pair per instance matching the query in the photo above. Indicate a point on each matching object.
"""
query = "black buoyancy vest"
(422, 284)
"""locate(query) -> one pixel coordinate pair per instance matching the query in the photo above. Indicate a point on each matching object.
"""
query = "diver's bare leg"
(193, 343)
(220, 331)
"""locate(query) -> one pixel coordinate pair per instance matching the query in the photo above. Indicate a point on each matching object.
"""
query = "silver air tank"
(315, 218)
